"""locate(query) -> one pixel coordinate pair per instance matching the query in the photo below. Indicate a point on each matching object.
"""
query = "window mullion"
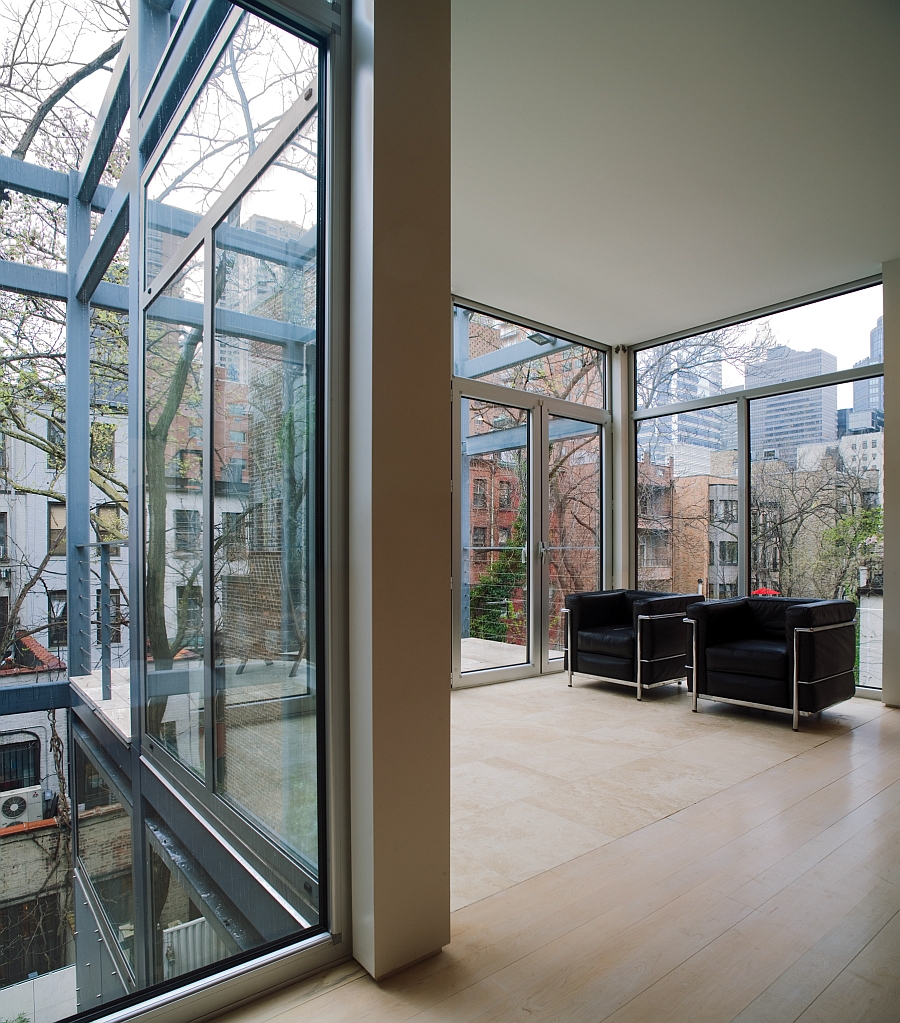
(743, 474)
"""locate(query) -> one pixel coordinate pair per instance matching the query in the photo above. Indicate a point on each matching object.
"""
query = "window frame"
(741, 399)
(170, 770)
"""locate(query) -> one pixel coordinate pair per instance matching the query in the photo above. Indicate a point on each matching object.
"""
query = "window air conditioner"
(21, 805)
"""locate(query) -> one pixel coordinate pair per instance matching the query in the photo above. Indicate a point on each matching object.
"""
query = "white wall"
(891, 663)
(399, 482)
(45, 999)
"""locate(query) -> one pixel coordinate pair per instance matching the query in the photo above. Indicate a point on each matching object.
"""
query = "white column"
(891, 663)
(399, 482)
(623, 469)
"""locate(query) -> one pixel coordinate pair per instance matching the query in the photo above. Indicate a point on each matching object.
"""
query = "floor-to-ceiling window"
(760, 460)
(528, 491)
(163, 738)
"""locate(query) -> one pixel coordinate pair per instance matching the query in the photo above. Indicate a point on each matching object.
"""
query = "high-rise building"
(869, 394)
(778, 425)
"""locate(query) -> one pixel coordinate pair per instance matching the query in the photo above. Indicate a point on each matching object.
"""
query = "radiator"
(190, 946)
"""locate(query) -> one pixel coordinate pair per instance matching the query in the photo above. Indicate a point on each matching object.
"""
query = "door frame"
(540, 409)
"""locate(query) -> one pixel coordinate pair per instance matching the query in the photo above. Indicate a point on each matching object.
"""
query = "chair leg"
(637, 671)
(694, 666)
(796, 680)
(568, 633)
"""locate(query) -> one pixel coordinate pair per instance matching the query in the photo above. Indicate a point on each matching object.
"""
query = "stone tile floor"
(542, 773)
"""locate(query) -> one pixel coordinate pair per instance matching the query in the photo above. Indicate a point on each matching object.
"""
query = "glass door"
(529, 511)
(495, 606)
(571, 545)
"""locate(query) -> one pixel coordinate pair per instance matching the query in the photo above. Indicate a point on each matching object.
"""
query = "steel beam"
(513, 355)
(185, 313)
(43, 283)
(107, 126)
(110, 296)
(26, 698)
(33, 280)
(78, 392)
(517, 436)
(179, 223)
(176, 71)
(44, 183)
(108, 236)
(30, 179)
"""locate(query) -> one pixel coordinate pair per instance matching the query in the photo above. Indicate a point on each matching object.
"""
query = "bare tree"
(693, 366)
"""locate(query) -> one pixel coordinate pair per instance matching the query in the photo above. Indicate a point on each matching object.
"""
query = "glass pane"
(264, 540)
(687, 503)
(184, 939)
(262, 71)
(574, 552)
(104, 848)
(503, 353)
(36, 896)
(495, 529)
(173, 468)
(834, 334)
(816, 508)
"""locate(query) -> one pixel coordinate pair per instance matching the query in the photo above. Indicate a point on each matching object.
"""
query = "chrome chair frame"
(638, 684)
(794, 709)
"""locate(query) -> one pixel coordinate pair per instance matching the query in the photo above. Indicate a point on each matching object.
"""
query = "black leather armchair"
(633, 637)
(788, 654)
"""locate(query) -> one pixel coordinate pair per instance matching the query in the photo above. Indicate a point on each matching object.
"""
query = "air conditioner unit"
(21, 805)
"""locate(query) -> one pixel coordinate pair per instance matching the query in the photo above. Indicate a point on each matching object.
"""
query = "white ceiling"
(624, 169)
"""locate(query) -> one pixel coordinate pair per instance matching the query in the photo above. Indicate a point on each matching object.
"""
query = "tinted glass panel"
(826, 336)
(816, 510)
(504, 353)
(104, 848)
(262, 71)
(494, 595)
(173, 474)
(574, 528)
(687, 503)
(263, 468)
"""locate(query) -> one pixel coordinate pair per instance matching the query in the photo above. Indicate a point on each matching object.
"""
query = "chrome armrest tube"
(568, 633)
(796, 681)
(640, 661)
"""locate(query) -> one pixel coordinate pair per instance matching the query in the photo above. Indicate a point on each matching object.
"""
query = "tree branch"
(65, 86)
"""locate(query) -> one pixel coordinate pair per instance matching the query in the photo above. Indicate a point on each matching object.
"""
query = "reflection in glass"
(834, 334)
(574, 550)
(687, 503)
(494, 591)
(262, 71)
(173, 460)
(263, 467)
(183, 938)
(36, 895)
(506, 354)
(104, 848)
(816, 510)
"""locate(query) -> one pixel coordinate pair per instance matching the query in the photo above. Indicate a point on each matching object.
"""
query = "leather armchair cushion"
(765, 658)
(602, 664)
(614, 641)
(604, 607)
(826, 653)
(768, 615)
(770, 691)
(834, 690)
(820, 612)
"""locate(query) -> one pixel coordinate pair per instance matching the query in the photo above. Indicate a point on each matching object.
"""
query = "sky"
(839, 325)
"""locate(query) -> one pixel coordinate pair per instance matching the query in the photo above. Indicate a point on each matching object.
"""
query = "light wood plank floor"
(656, 865)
